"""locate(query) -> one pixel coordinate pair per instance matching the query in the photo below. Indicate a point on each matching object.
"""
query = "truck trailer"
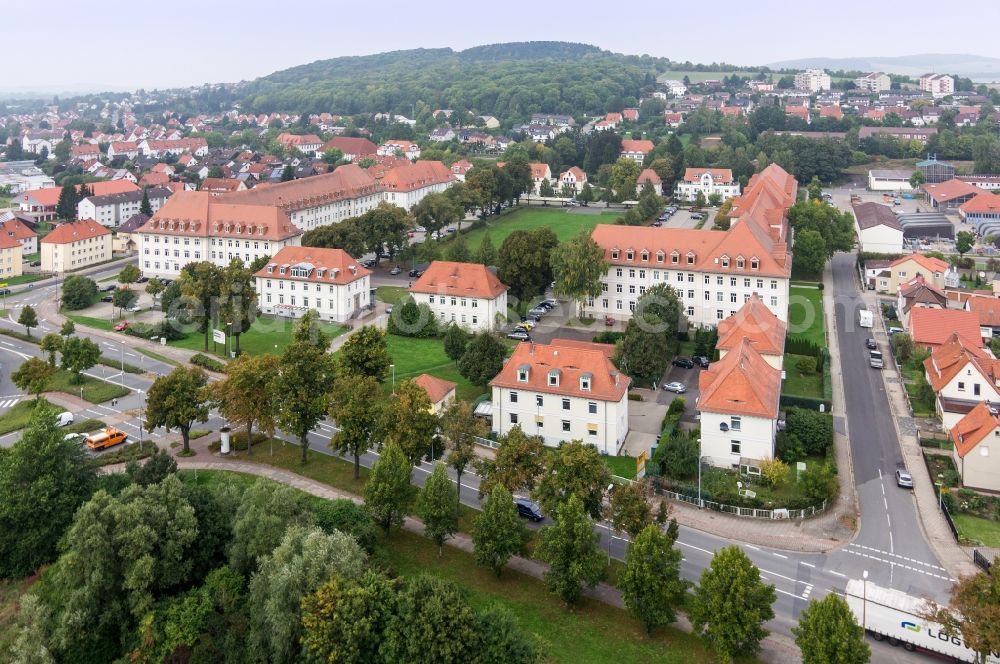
(893, 616)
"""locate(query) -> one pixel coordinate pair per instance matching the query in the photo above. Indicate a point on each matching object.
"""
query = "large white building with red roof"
(467, 294)
(406, 185)
(195, 226)
(714, 272)
(707, 181)
(562, 392)
(298, 279)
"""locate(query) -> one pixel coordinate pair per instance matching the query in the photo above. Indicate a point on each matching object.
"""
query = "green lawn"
(976, 529)
(805, 314)
(391, 294)
(622, 466)
(94, 390)
(413, 357)
(266, 336)
(17, 417)
(696, 76)
(808, 385)
(156, 356)
(90, 321)
(25, 279)
(563, 223)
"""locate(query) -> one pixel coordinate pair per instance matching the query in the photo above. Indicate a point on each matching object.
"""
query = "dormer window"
(554, 378)
(754, 264)
(585, 382)
(690, 258)
(522, 373)
(725, 261)
(614, 254)
(270, 269)
(630, 255)
(281, 270)
(645, 256)
(674, 257)
(659, 256)
(740, 263)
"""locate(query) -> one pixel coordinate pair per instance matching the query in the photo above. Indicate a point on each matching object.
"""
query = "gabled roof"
(346, 182)
(972, 429)
(74, 231)
(539, 171)
(929, 263)
(15, 228)
(649, 175)
(951, 189)
(932, 327)
(918, 291)
(641, 146)
(757, 324)
(986, 202)
(718, 174)
(337, 266)
(436, 388)
(607, 349)
(49, 196)
(410, 177)
(988, 309)
(349, 145)
(870, 215)
(948, 359)
(606, 382)
(460, 280)
(741, 383)
(201, 214)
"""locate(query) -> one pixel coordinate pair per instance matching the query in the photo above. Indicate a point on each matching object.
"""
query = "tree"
(497, 531)
(487, 253)
(129, 274)
(308, 330)
(917, 179)
(629, 509)
(66, 205)
(518, 462)
(574, 469)
(644, 350)
(123, 298)
(78, 355)
(266, 511)
(409, 421)
(145, 207)
(455, 340)
(177, 401)
(345, 619)
(365, 353)
(972, 613)
(436, 506)
(33, 376)
(28, 318)
(813, 428)
(586, 195)
(200, 284)
(523, 262)
(78, 292)
(245, 396)
(433, 622)
(730, 605)
(651, 582)
(624, 175)
(815, 189)
(458, 251)
(33, 618)
(483, 358)
(828, 633)
(44, 479)
(435, 211)
(410, 319)
(357, 406)
(388, 492)
(384, 229)
(238, 300)
(287, 173)
(810, 255)
(545, 189)
(699, 200)
(332, 156)
(570, 548)
(578, 267)
(304, 375)
(68, 328)
(304, 560)
(459, 429)
(836, 227)
(964, 241)
(51, 343)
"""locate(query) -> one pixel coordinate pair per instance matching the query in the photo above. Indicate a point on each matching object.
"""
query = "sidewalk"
(776, 648)
(935, 529)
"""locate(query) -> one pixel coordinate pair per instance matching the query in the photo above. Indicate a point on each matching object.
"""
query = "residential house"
(874, 82)
(540, 173)
(490, 122)
(834, 112)
(605, 125)
(918, 293)
(442, 134)
(906, 268)
(352, 148)
(930, 328)
(308, 144)
(708, 181)
(562, 393)
(878, 229)
(126, 240)
(756, 324)
(675, 88)
(939, 85)
(961, 375)
(74, 245)
(152, 148)
(407, 149)
(441, 392)
(298, 279)
(36, 140)
(40, 204)
(406, 185)
(738, 407)
(630, 114)
(798, 111)
(11, 257)
(636, 150)
(113, 209)
(812, 80)
(972, 438)
(222, 185)
(85, 152)
(11, 226)
(467, 294)
(649, 176)
(988, 309)
(195, 226)
(460, 168)
(574, 178)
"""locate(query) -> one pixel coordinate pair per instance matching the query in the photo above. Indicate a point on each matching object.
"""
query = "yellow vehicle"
(108, 437)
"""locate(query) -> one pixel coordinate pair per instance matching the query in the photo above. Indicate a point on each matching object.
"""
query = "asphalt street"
(887, 545)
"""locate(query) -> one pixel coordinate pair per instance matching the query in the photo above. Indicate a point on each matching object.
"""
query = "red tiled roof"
(74, 231)
(346, 182)
(929, 263)
(409, 177)
(460, 280)
(201, 214)
(7, 242)
(985, 202)
(718, 174)
(756, 323)
(946, 191)
(974, 427)
(948, 359)
(932, 327)
(436, 388)
(988, 309)
(648, 175)
(607, 349)
(741, 383)
(338, 266)
(217, 185)
(539, 171)
(50, 195)
(16, 229)
(641, 146)
(606, 382)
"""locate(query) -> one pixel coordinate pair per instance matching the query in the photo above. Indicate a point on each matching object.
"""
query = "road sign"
(218, 336)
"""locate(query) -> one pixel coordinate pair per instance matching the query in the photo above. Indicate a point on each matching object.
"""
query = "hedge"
(209, 363)
(810, 403)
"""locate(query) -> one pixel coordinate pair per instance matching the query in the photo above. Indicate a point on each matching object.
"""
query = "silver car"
(676, 387)
(904, 479)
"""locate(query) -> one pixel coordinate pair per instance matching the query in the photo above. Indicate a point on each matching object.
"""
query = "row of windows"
(565, 401)
(690, 278)
(566, 424)
(305, 286)
(689, 258)
(475, 319)
(305, 301)
(733, 299)
(454, 301)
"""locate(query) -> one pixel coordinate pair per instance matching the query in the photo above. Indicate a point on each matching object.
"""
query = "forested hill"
(510, 81)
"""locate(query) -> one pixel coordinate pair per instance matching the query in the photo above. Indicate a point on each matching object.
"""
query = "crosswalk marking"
(7, 403)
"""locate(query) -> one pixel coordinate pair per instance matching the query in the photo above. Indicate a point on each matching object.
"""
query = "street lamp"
(611, 487)
(393, 367)
(940, 487)
(864, 599)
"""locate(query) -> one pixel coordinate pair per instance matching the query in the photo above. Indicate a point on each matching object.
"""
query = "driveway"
(690, 379)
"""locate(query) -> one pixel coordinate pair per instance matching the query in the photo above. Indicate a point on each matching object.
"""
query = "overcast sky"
(113, 44)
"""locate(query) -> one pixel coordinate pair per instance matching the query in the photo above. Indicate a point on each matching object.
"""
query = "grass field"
(266, 336)
(976, 529)
(808, 385)
(17, 417)
(89, 321)
(805, 314)
(156, 356)
(94, 390)
(413, 357)
(391, 294)
(622, 466)
(563, 223)
(24, 279)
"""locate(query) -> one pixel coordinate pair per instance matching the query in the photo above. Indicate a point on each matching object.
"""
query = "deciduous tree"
(33, 376)
(455, 340)
(433, 622)
(487, 253)
(409, 422)
(200, 284)
(177, 401)
(129, 274)
(365, 353)
(303, 380)
(436, 506)
(245, 396)
(578, 266)
(629, 509)
(516, 466)
(570, 548)
(78, 292)
(265, 512)
(524, 263)
(810, 254)
(51, 343)
(483, 358)
(78, 355)
(28, 318)
(459, 428)
(388, 492)
(308, 330)
(828, 633)
(238, 300)
(358, 407)
(345, 619)
(651, 583)
(497, 531)
(573, 469)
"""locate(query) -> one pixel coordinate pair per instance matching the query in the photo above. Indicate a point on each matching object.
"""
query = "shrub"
(209, 363)
(813, 429)
(819, 483)
(409, 319)
(347, 517)
(166, 328)
(806, 365)
(788, 447)
(774, 471)
(608, 337)
(634, 396)
(902, 347)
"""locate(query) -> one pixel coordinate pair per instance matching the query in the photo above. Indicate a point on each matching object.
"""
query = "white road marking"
(893, 564)
(810, 565)
(8, 403)
(780, 555)
(896, 555)
(751, 546)
(835, 573)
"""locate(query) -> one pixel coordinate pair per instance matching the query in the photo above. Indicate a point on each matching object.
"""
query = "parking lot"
(683, 218)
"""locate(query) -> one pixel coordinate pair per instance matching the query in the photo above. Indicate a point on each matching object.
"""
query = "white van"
(64, 419)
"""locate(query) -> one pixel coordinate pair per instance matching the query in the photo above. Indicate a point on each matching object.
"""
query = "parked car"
(388, 308)
(875, 359)
(903, 478)
(451, 230)
(143, 280)
(870, 344)
(676, 387)
(896, 330)
(5, 291)
(107, 298)
(609, 321)
(525, 325)
(415, 273)
(108, 288)
(683, 362)
(656, 224)
(697, 216)
(36, 263)
(64, 419)
(420, 229)
(529, 509)
(518, 334)
(135, 308)
(538, 311)
(395, 270)
(120, 327)
(701, 361)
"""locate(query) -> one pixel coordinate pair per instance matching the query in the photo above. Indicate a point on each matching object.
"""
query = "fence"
(486, 442)
(984, 563)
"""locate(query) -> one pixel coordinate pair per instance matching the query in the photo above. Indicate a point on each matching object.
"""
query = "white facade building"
(812, 80)
(878, 229)
(561, 393)
(874, 82)
(406, 185)
(466, 294)
(114, 209)
(939, 85)
(298, 279)
(708, 181)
